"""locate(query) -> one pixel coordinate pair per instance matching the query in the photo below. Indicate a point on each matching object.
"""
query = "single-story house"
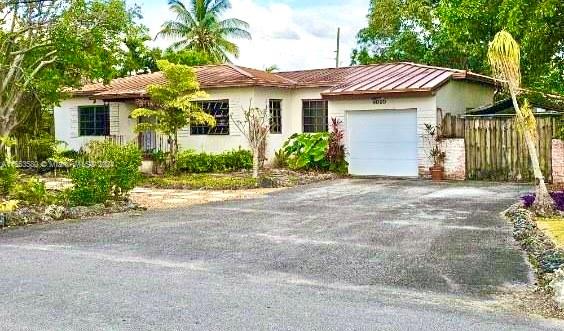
(383, 107)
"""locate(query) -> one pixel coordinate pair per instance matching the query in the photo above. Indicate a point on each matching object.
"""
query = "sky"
(292, 34)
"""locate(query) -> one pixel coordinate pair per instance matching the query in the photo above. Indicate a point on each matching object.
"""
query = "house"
(384, 109)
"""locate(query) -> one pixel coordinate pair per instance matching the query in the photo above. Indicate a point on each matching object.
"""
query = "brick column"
(455, 161)
(558, 161)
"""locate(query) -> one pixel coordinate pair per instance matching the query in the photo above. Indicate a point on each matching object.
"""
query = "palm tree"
(198, 27)
(504, 56)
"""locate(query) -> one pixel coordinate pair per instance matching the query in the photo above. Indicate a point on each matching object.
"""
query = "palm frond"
(505, 59)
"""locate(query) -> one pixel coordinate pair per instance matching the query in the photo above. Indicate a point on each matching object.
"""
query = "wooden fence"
(496, 148)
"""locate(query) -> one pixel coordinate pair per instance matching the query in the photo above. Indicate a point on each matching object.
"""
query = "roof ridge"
(241, 71)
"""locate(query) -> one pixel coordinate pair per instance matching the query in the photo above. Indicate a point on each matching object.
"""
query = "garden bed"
(27, 215)
(273, 178)
(539, 238)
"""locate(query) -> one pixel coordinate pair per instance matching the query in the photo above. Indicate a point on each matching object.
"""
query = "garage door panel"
(383, 150)
(382, 142)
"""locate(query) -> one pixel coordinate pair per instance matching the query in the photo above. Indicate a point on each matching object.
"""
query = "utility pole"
(338, 47)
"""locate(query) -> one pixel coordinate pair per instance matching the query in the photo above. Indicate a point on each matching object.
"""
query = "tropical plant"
(505, 57)
(336, 149)
(307, 151)
(198, 27)
(255, 126)
(172, 105)
(434, 140)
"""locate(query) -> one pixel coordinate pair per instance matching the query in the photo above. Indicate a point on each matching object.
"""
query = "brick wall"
(558, 161)
(455, 162)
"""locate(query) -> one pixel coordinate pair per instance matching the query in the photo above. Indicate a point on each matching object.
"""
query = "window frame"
(218, 130)
(275, 128)
(325, 115)
(94, 130)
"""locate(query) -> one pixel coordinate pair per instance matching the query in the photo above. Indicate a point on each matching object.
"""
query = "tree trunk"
(543, 205)
(255, 163)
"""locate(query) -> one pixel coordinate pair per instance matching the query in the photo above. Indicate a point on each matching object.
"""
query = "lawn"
(554, 228)
(202, 181)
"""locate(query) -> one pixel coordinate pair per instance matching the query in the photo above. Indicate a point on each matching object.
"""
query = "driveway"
(342, 255)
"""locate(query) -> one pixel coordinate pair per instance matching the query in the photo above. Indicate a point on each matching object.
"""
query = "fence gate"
(496, 148)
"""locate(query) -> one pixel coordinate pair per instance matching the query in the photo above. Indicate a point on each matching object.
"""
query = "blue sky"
(293, 34)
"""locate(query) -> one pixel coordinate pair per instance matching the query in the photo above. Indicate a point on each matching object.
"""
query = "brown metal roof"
(381, 78)
(356, 80)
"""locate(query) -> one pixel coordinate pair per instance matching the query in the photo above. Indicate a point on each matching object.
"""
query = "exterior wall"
(66, 122)
(426, 114)
(239, 101)
(558, 161)
(457, 96)
(455, 161)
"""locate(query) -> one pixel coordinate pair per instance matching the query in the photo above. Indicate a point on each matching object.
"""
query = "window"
(94, 121)
(275, 109)
(220, 111)
(314, 115)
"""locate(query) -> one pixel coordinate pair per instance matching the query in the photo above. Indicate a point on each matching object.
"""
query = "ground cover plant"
(558, 198)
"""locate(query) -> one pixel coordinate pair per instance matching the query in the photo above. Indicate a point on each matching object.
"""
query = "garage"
(382, 142)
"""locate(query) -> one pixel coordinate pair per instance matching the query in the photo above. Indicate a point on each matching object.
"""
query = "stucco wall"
(558, 161)
(66, 122)
(426, 114)
(456, 97)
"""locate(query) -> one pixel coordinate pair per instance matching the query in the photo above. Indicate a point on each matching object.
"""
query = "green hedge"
(191, 162)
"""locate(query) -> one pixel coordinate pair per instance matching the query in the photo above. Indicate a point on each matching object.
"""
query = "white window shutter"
(114, 119)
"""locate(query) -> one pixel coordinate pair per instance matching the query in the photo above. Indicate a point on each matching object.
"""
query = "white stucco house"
(383, 107)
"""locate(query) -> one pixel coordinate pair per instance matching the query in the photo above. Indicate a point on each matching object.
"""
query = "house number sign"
(379, 101)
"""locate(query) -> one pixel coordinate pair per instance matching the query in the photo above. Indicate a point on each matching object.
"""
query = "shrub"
(106, 171)
(91, 185)
(9, 175)
(307, 151)
(32, 191)
(192, 162)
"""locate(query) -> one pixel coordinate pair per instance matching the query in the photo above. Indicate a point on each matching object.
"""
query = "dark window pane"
(220, 111)
(275, 109)
(314, 115)
(94, 121)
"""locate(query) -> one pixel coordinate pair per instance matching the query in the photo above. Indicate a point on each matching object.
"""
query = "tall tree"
(171, 105)
(48, 46)
(455, 33)
(504, 57)
(198, 26)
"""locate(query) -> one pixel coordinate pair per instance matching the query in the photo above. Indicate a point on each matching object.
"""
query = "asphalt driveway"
(342, 255)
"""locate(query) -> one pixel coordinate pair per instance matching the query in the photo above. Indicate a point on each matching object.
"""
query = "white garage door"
(382, 142)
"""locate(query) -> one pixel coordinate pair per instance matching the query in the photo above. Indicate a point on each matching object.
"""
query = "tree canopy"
(48, 46)
(171, 106)
(456, 33)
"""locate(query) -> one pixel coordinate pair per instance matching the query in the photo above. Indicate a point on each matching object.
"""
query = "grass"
(202, 181)
(554, 228)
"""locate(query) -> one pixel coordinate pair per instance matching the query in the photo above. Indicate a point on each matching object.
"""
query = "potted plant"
(436, 153)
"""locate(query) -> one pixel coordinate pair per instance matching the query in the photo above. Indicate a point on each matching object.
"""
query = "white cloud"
(292, 38)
